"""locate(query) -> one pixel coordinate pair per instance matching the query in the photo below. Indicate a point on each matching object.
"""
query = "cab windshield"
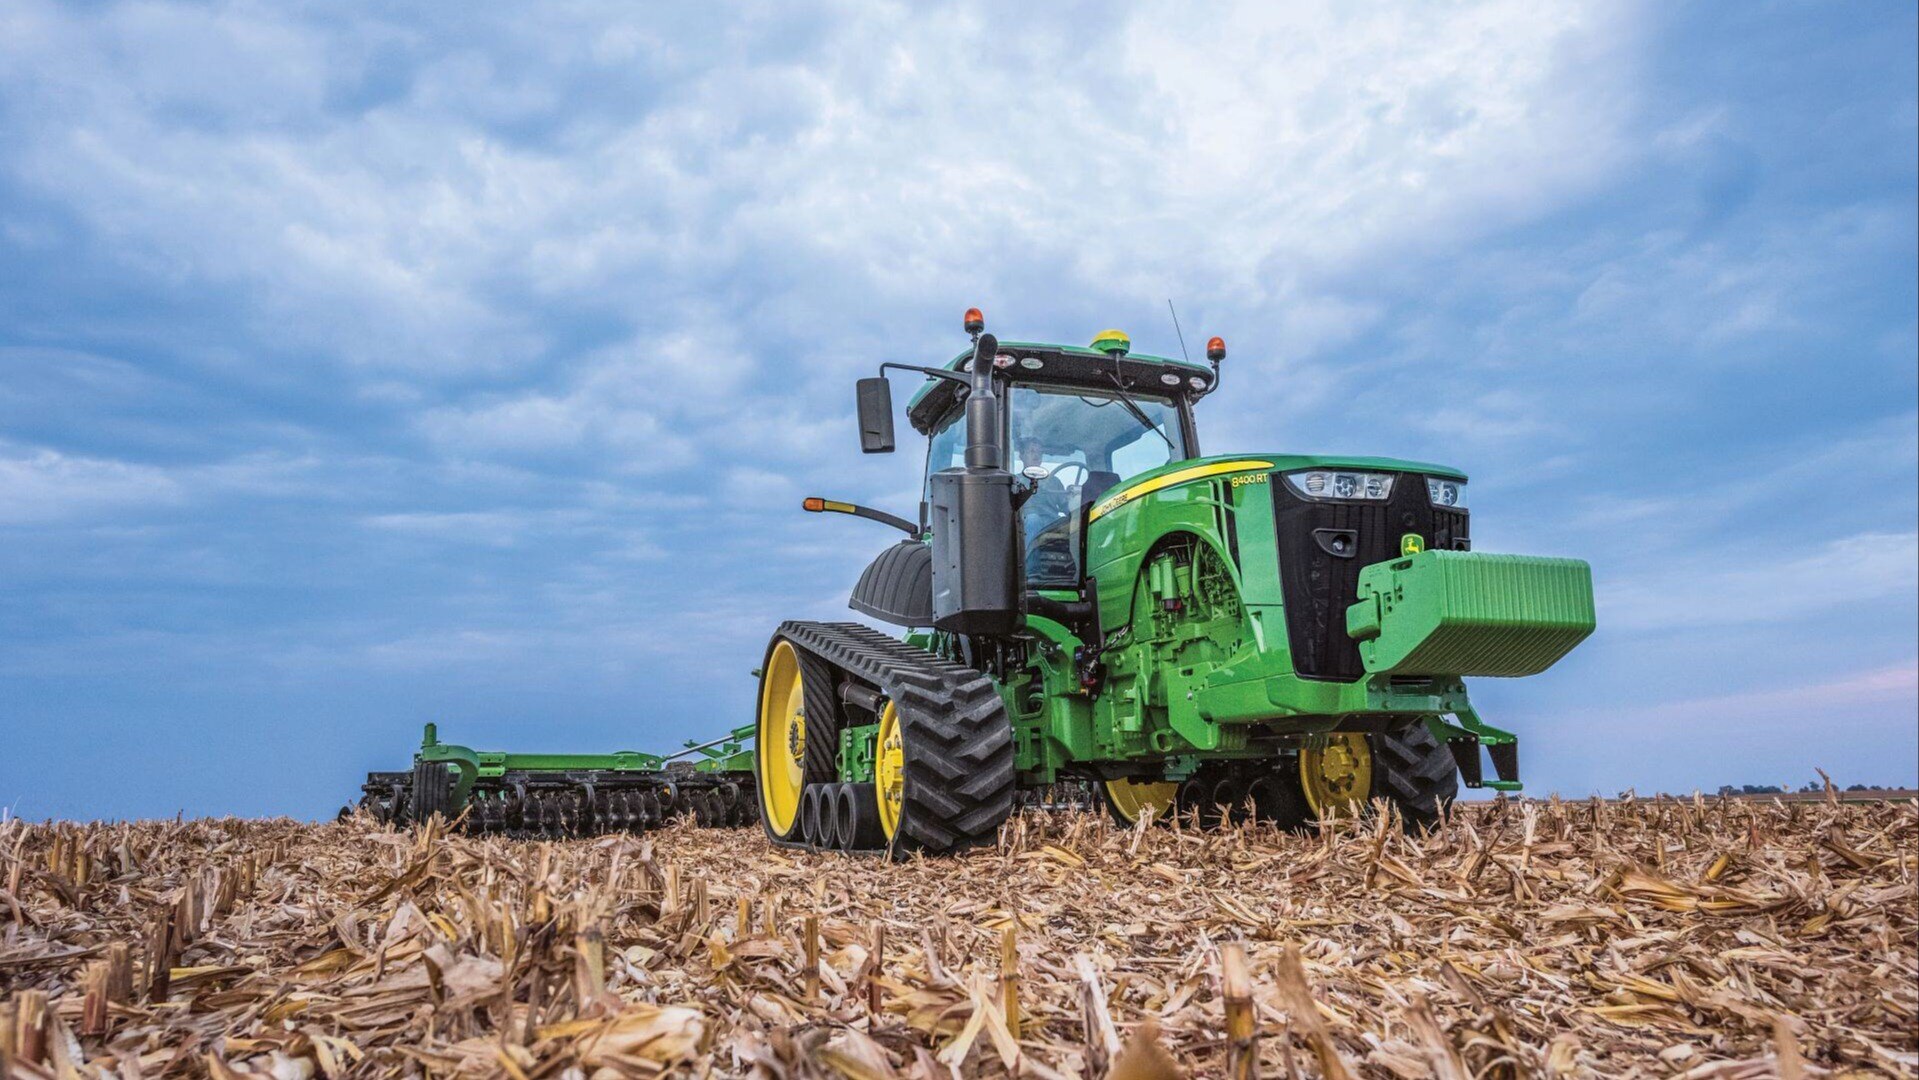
(1069, 446)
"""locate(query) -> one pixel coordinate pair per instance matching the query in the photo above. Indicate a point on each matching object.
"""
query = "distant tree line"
(1775, 789)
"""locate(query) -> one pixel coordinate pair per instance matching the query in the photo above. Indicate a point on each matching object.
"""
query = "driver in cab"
(1044, 509)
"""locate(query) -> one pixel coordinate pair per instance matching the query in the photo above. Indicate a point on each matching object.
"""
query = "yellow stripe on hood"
(1178, 476)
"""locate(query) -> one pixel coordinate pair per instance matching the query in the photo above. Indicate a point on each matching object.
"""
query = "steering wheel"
(1085, 473)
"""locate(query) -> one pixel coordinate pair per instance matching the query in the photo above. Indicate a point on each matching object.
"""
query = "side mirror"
(876, 415)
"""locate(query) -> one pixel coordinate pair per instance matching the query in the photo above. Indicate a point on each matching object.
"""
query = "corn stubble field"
(1697, 938)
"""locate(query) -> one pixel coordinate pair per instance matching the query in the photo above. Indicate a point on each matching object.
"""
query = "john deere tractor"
(1086, 597)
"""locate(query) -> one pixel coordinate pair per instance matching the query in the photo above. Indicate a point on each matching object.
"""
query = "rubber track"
(823, 719)
(958, 740)
(1416, 771)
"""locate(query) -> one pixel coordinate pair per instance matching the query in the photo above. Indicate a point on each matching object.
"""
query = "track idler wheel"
(1194, 803)
(1129, 799)
(1232, 793)
(815, 822)
(797, 736)
(1206, 796)
(1226, 797)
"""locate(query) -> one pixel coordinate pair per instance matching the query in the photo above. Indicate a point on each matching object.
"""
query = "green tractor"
(1087, 598)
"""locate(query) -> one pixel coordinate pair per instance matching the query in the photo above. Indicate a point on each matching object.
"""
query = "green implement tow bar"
(726, 754)
(1470, 613)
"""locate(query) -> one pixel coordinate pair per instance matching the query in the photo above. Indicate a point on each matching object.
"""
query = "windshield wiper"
(1139, 414)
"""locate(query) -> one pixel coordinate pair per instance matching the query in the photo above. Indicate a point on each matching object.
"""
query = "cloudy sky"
(361, 369)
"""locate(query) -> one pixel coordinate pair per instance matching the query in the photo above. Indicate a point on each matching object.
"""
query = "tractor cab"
(1022, 439)
(1076, 422)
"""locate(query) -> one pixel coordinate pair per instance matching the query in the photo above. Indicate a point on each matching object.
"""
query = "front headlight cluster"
(1449, 493)
(1371, 486)
(1341, 484)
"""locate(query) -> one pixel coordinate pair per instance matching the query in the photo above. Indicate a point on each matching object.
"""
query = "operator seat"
(1098, 483)
(1052, 556)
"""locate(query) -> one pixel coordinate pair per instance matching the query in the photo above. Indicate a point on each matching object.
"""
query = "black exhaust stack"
(976, 574)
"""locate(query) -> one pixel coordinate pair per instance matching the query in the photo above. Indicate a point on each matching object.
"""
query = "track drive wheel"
(797, 737)
(1128, 799)
(1417, 772)
(943, 768)
(1336, 773)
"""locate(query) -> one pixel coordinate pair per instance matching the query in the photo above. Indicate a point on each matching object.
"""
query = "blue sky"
(359, 369)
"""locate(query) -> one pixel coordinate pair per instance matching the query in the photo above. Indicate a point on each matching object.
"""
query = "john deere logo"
(1411, 544)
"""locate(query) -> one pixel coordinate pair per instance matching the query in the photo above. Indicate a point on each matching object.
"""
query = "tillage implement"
(559, 795)
(1086, 597)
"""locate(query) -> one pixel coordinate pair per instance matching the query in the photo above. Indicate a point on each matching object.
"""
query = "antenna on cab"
(1183, 355)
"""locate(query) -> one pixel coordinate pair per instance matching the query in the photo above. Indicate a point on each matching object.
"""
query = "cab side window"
(1148, 451)
(945, 450)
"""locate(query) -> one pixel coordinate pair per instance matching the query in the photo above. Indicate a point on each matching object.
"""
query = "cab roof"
(1039, 363)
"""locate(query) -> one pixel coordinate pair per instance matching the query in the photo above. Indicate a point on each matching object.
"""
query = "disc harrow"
(527, 805)
(553, 796)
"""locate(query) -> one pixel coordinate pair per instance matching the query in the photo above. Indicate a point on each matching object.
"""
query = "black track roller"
(1277, 799)
(858, 813)
(810, 816)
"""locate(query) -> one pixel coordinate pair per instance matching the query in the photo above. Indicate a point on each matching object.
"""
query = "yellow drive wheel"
(1336, 773)
(781, 741)
(1129, 799)
(889, 771)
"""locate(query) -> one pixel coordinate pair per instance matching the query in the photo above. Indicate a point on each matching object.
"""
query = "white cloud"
(1760, 583)
(494, 528)
(1878, 457)
(1857, 726)
(400, 235)
(1879, 692)
(535, 422)
(39, 486)
(441, 650)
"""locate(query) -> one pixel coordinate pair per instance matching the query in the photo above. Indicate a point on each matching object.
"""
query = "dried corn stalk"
(1655, 937)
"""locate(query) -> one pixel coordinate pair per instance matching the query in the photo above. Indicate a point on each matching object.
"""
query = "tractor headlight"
(1450, 493)
(1341, 484)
